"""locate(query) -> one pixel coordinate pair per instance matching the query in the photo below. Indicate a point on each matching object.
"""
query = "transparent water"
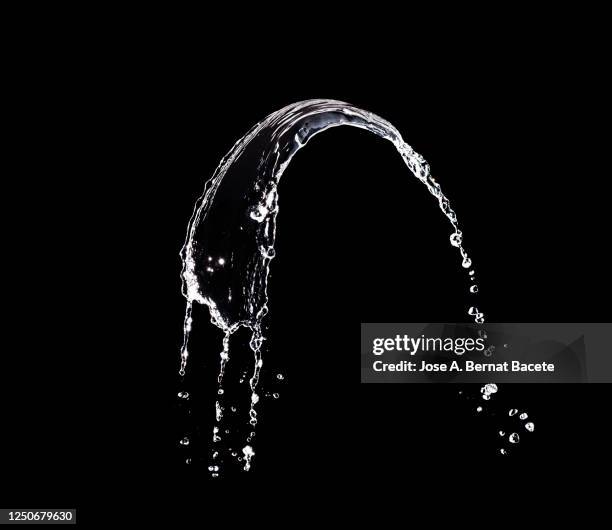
(230, 239)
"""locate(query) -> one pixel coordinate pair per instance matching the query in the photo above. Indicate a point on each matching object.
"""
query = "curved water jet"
(231, 234)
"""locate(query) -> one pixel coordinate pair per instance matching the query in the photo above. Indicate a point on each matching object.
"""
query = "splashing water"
(230, 237)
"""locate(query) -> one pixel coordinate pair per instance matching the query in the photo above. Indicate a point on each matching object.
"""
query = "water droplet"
(280, 377)
(220, 391)
(185, 441)
(467, 263)
(474, 289)
(233, 409)
(473, 311)
(514, 438)
(512, 412)
(188, 461)
(276, 395)
(502, 433)
(248, 453)
(456, 238)
(488, 390)
(183, 395)
(523, 416)
(530, 427)
(478, 409)
(503, 452)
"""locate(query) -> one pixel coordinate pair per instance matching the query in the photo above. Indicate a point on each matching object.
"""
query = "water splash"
(231, 234)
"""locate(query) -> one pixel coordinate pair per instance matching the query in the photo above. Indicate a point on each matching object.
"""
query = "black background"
(125, 151)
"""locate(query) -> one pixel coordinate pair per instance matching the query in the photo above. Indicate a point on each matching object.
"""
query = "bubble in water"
(514, 438)
(185, 441)
(512, 412)
(213, 468)
(482, 334)
(474, 289)
(188, 461)
(183, 395)
(502, 433)
(523, 416)
(530, 426)
(280, 377)
(473, 311)
(478, 409)
(466, 263)
(503, 452)
(276, 395)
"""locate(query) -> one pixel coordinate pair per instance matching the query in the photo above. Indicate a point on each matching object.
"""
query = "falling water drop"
(514, 438)
(512, 412)
(248, 452)
(523, 416)
(183, 395)
(474, 289)
(456, 239)
(530, 426)
(184, 441)
(488, 390)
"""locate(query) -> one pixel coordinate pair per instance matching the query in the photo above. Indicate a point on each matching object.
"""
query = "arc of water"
(231, 234)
